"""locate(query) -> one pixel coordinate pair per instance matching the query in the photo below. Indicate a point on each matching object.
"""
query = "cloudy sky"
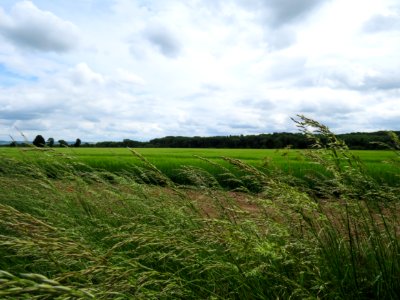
(140, 69)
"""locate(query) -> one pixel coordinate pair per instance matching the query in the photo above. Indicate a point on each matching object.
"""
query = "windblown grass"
(292, 162)
(68, 231)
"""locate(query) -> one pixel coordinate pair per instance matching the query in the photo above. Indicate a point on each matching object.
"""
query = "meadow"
(117, 224)
(172, 161)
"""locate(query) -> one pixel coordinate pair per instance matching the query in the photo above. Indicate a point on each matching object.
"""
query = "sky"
(141, 69)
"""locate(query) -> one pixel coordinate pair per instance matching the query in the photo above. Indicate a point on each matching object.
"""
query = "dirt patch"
(213, 203)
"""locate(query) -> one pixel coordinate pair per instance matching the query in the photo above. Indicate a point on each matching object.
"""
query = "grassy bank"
(68, 231)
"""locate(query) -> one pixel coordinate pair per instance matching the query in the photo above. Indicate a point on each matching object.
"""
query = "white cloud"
(281, 12)
(31, 28)
(388, 20)
(81, 74)
(163, 39)
(129, 77)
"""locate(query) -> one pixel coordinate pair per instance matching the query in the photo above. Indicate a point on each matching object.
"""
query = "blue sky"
(115, 69)
(8, 78)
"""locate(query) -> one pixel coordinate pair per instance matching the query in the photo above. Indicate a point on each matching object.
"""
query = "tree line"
(355, 141)
(40, 141)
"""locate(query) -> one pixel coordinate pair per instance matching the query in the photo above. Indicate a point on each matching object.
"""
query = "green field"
(82, 223)
(171, 160)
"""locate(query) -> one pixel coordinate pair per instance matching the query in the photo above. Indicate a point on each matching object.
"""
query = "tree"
(39, 141)
(77, 143)
(63, 143)
(50, 142)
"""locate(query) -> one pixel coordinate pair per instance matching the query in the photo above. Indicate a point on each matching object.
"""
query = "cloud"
(280, 39)
(279, 19)
(277, 13)
(286, 11)
(81, 74)
(263, 105)
(31, 28)
(8, 114)
(129, 77)
(358, 79)
(286, 68)
(387, 81)
(153, 68)
(381, 23)
(163, 39)
(38, 125)
(154, 38)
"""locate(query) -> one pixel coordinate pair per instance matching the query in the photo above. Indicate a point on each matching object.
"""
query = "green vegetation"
(171, 160)
(72, 231)
(39, 141)
(355, 141)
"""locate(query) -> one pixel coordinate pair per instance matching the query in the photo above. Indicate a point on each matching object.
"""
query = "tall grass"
(169, 161)
(68, 231)
(359, 234)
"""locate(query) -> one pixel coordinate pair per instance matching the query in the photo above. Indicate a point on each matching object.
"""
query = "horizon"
(4, 142)
(105, 70)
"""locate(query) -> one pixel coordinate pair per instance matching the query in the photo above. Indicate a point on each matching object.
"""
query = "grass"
(170, 161)
(68, 231)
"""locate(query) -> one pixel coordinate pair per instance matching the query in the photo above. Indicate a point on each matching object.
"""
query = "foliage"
(62, 143)
(356, 141)
(50, 142)
(78, 143)
(39, 141)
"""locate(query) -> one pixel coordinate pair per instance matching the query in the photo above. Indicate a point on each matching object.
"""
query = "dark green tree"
(50, 142)
(62, 143)
(77, 143)
(39, 141)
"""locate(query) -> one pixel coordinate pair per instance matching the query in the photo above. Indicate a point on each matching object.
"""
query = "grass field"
(72, 231)
(171, 160)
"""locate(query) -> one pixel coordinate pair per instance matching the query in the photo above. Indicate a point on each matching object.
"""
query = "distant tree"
(13, 144)
(129, 143)
(50, 142)
(77, 143)
(63, 143)
(39, 141)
